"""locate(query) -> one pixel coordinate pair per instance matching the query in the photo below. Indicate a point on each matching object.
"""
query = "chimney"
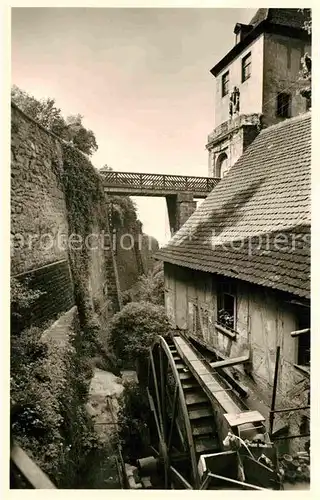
(241, 31)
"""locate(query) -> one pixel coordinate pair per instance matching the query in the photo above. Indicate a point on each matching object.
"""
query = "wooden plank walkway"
(144, 184)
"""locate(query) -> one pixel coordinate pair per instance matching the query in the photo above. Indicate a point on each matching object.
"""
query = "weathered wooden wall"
(264, 319)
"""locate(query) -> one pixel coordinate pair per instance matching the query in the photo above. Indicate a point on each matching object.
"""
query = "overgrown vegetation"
(45, 112)
(134, 329)
(21, 298)
(149, 288)
(49, 387)
(133, 417)
(306, 73)
(86, 211)
(50, 380)
(123, 212)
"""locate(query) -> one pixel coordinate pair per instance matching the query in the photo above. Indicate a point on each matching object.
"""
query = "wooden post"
(274, 390)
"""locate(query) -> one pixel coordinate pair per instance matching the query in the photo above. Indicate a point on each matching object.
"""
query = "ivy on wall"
(50, 380)
(86, 207)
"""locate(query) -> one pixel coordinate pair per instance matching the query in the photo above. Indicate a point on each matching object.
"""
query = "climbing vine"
(87, 210)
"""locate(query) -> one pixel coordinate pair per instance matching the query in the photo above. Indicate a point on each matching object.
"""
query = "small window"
(283, 105)
(303, 340)
(304, 350)
(226, 305)
(225, 84)
(246, 67)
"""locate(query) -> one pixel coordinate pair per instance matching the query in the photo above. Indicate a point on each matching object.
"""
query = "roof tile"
(255, 224)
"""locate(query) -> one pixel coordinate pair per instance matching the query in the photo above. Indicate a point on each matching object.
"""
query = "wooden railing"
(158, 182)
(29, 470)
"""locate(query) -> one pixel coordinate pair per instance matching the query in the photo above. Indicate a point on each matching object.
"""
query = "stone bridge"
(179, 190)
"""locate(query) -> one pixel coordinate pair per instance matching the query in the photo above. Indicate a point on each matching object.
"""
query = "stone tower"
(257, 83)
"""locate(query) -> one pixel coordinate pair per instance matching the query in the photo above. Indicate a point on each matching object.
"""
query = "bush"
(22, 298)
(134, 329)
(49, 387)
(148, 288)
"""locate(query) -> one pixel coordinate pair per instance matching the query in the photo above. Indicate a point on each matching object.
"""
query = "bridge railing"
(158, 181)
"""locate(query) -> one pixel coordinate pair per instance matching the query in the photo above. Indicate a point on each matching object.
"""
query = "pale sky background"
(140, 77)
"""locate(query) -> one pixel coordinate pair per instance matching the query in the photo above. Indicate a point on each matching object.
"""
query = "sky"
(140, 77)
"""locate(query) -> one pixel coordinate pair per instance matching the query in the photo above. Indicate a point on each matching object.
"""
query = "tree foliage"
(134, 329)
(149, 288)
(123, 210)
(45, 112)
(22, 298)
(307, 20)
(305, 74)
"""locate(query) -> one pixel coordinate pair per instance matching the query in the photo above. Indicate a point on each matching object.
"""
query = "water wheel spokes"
(174, 440)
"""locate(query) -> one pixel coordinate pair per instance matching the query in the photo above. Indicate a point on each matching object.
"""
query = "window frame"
(246, 62)
(225, 82)
(302, 346)
(230, 289)
(279, 112)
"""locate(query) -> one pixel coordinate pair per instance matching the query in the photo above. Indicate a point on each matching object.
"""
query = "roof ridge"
(268, 13)
(302, 116)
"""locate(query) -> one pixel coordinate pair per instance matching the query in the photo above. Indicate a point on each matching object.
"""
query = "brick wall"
(54, 281)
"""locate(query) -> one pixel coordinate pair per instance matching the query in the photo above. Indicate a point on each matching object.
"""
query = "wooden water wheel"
(184, 424)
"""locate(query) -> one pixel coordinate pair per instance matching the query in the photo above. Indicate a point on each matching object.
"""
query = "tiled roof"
(260, 15)
(255, 224)
(284, 17)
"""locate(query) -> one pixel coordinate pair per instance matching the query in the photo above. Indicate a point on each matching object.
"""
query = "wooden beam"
(234, 481)
(296, 333)
(180, 478)
(230, 362)
(225, 331)
(29, 469)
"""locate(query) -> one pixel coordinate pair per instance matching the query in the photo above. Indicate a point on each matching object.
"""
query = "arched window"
(222, 165)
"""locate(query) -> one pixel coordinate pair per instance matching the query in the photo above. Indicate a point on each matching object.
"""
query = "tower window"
(246, 67)
(283, 105)
(221, 165)
(225, 84)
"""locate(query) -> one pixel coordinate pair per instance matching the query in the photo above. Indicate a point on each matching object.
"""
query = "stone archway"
(222, 166)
